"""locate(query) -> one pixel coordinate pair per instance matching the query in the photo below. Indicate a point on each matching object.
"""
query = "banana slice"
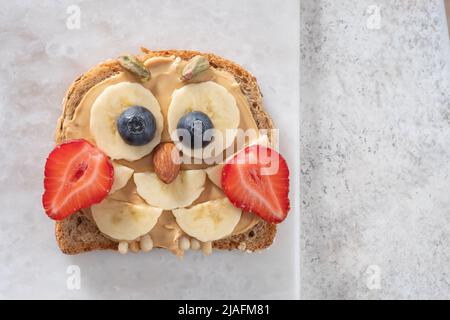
(121, 176)
(213, 100)
(123, 220)
(181, 192)
(209, 221)
(215, 172)
(107, 108)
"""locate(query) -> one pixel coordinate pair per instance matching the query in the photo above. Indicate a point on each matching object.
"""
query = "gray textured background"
(375, 150)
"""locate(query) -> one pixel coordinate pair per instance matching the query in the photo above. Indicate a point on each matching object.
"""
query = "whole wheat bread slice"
(77, 233)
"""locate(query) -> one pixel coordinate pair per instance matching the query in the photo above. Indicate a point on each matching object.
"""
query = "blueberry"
(195, 125)
(136, 126)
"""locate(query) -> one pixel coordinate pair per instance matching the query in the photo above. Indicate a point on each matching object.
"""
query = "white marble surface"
(40, 57)
(375, 156)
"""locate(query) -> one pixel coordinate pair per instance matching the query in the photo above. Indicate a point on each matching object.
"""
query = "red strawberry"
(77, 175)
(256, 179)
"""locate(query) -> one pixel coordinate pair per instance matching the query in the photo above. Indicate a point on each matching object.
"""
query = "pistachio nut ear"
(135, 66)
(195, 66)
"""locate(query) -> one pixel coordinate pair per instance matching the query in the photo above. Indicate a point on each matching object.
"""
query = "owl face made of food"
(166, 189)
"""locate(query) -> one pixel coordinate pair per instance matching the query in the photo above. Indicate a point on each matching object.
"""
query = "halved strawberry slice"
(256, 179)
(77, 175)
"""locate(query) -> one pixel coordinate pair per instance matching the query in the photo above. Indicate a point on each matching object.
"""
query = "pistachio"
(196, 65)
(132, 64)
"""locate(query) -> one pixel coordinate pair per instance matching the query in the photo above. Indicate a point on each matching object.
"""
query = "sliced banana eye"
(126, 121)
(210, 104)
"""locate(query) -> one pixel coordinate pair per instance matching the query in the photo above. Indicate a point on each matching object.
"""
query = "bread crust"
(77, 233)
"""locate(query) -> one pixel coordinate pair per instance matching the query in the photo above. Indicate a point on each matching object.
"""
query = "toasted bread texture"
(78, 233)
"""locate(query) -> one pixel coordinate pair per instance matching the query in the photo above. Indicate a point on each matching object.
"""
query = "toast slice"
(77, 233)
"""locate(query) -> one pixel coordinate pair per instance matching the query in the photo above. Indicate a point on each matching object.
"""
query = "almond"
(166, 162)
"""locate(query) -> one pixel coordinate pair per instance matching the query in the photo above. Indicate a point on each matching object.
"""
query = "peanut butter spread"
(165, 74)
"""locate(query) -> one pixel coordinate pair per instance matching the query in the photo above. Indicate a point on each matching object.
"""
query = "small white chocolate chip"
(195, 244)
(146, 243)
(207, 248)
(134, 247)
(123, 247)
(184, 243)
(242, 246)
